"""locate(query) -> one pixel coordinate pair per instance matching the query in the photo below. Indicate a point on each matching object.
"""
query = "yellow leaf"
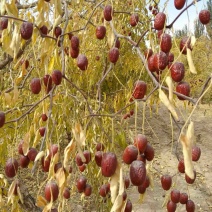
(25, 145)
(190, 62)
(3, 7)
(48, 207)
(11, 190)
(67, 153)
(41, 202)
(20, 195)
(39, 155)
(15, 94)
(51, 64)
(60, 177)
(12, 9)
(8, 98)
(171, 87)
(187, 155)
(114, 182)
(168, 104)
(6, 40)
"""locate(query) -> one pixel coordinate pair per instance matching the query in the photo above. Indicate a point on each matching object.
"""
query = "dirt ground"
(158, 131)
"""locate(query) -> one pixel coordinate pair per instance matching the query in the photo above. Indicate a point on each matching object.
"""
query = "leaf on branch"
(3, 7)
(168, 104)
(15, 94)
(20, 195)
(170, 86)
(15, 43)
(6, 40)
(187, 154)
(39, 155)
(57, 21)
(41, 202)
(60, 177)
(190, 62)
(58, 7)
(114, 183)
(119, 203)
(12, 9)
(25, 145)
(79, 136)
(67, 153)
(11, 191)
(8, 98)
(48, 207)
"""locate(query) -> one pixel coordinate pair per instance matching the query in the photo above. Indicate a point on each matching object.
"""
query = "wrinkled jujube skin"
(100, 32)
(140, 141)
(113, 55)
(35, 85)
(57, 77)
(109, 164)
(184, 44)
(75, 43)
(179, 4)
(160, 60)
(3, 23)
(159, 21)
(166, 182)
(140, 88)
(51, 188)
(134, 18)
(108, 10)
(11, 167)
(183, 88)
(204, 16)
(82, 62)
(130, 154)
(177, 71)
(26, 30)
(165, 43)
(137, 172)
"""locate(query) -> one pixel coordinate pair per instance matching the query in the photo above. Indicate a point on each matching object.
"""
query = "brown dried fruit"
(149, 152)
(177, 71)
(81, 183)
(108, 10)
(11, 167)
(117, 43)
(42, 131)
(159, 21)
(170, 57)
(44, 117)
(47, 79)
(57, 77)
(134, 18)
(57, 166)
(66, 193)
(190, 206)
(183, 88)
(82, 62)
(32, 154)
(151, 65)
(53, 150)
(44, 30)
(45, 163)
(3, 23)
(24, 161)
(160, 61)
(103, 191)
(175, 196)
(196, 153)
(88, 190)
(141, 189)
(75, 43)
(35, 85)
(137, 172)
(189, 180)
(179, 4)
(126, 182)
(140, 142)
(74, 53)
(181, 166)
(183, 198)
(20, 150)
(128, 207)
(2, 118)
(140, 88)
(171, 206)
(113, 55)
(148, 53)
(109, 164)
(82, 168)
(26, 30)
(100, 147)
(142, 158)
(165, 43)
(87, 155)
(130, 154)
(51, 190)
(100, 32)
(204, 16)
(98, 158)
(166, 182)
(57, 31)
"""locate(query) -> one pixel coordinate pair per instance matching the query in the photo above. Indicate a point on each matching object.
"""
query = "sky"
(193, 12)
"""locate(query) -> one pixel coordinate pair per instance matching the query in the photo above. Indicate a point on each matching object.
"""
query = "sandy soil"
(159, 134)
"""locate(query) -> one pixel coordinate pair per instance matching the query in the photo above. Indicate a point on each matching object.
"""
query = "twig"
(76, 87)
(28, 111)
